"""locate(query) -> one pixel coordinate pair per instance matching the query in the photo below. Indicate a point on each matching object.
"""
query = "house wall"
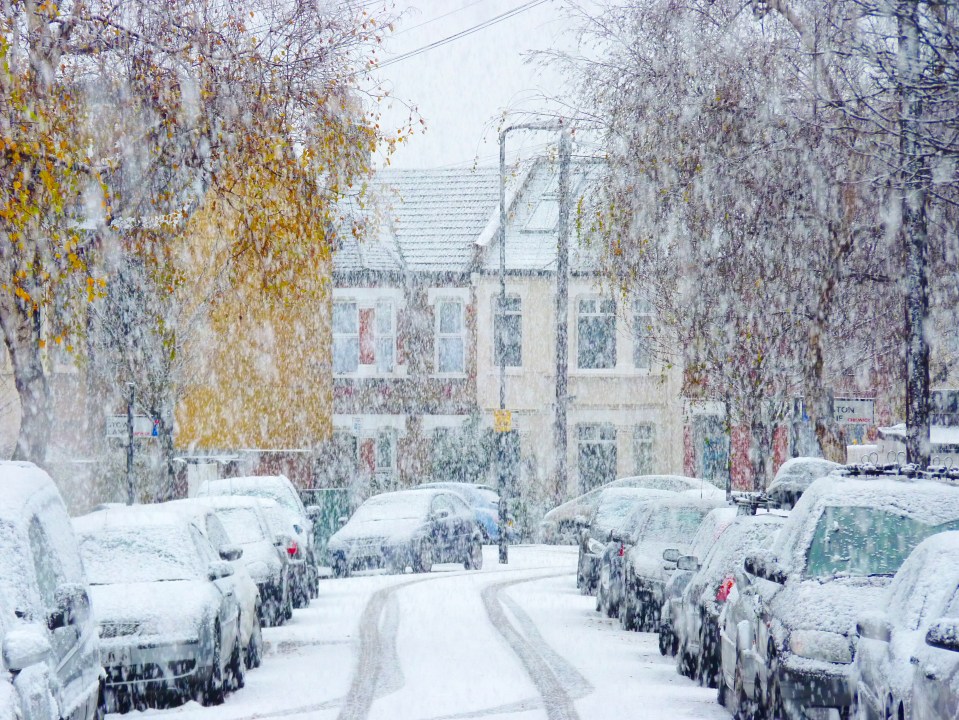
(622, 396)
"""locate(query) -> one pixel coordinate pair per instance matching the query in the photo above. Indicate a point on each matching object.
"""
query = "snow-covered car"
(614, 506)
(245, 588)
(794, 476)
(711, 531)
(935, 671)
(609, 583)
(665, 537)
(298, 523)
(696, 621)
(164, 599)
(481, 499)
(414, 528)
(830, 565)
(559, 526)
(925, 589)
(50, 659)
(264, 553)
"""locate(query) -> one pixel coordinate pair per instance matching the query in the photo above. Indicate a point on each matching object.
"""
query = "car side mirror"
(690, 563)
(765, 567)
(944, 634)
(671, 555)
(219, 570)
(72, 606)
(874, 626)
(25, 646)
(313, 512)
(231, 552)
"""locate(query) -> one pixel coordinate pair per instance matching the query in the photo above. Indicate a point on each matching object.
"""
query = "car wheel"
(627, 614)
(301, 593)
(685, 662)
(212, 693)
(341, 568)
(474, 561)
(706, 670)
(665, 640)
(423, 562)
(600, 599)
(773, 707)
(746, 708)
(254, 652)
(236, 671)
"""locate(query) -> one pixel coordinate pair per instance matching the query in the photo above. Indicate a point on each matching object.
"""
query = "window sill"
(449, 376)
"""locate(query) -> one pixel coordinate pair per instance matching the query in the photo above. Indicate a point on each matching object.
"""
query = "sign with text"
(143, 426)
(502, 421)
(854, 411)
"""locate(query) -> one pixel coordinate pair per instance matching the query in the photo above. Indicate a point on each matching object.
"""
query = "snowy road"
(516, 642)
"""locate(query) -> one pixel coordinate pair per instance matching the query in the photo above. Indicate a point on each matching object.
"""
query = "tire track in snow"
(544, 666)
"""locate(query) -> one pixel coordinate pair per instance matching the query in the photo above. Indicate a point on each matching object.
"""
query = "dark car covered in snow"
(408, 528)
(794, 476)
(830, 565)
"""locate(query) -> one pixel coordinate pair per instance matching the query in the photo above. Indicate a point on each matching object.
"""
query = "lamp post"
(561, 317)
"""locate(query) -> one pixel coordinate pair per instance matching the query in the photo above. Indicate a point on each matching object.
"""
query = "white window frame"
(438, 335)
(596, 313)
(345, 336)
(644, 435)
(383, 338)
(643, 318)
(496, 315)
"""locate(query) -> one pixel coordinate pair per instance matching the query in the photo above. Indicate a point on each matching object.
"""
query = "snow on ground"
(516, 642)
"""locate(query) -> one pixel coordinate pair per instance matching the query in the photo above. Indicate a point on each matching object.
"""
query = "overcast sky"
(462, 88)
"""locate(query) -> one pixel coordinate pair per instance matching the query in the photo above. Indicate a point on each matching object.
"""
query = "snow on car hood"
(171, 608)
(390, 530)
(834, 604)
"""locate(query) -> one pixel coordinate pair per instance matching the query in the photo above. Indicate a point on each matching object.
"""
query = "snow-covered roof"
(353, 254)
(532, 226)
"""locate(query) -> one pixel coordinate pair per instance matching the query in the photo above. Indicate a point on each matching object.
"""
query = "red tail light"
(622, 550)
(725, 587)
(292, 549)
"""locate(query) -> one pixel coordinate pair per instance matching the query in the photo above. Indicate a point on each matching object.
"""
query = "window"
(644, 448)
(385, 337)
(596, 332)
(642, 334)
(508, 320)
(385, 451)
(597, 454)
(545, 216)
(346, 337)
(450, 337)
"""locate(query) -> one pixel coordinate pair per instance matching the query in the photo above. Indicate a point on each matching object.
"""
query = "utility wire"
(463, 33)
(438, 17)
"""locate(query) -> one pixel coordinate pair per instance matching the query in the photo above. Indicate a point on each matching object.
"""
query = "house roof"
(531, 229)
(421, 220)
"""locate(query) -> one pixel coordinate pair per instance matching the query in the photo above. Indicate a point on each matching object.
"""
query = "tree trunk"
(20, 325)
(818, 399)
(914, 174)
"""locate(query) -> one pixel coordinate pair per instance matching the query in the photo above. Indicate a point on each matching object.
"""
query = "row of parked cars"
(834, 595)
(147, 605)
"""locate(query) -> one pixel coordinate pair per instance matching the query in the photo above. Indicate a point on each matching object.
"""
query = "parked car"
(710, 532)
(167, 608)
(647, 565)
(794, 476)
(925, 589)
(696, 622)
(50, 659)
(609, 585)
(935, 671)
(298, 524)
(830, 565)
(611, 511)
(264, 551)
(482, 500)
(247, 592)
(414, 528)
(558, 526)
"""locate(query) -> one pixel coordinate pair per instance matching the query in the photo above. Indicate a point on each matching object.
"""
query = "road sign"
(143, 426)
(854, 411)
(502, 421)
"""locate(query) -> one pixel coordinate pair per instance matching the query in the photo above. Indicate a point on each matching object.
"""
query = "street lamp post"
(502, 437)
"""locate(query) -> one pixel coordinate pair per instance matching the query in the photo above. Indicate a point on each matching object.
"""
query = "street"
(515, 641)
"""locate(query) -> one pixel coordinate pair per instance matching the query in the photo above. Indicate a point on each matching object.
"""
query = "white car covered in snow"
(830, 566)
(166, 604)
(50, 660)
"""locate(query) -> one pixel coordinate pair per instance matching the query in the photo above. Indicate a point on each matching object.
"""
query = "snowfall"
(515, 641)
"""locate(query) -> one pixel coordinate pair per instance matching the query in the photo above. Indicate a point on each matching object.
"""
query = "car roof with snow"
(581, 504)
(234, 501)
(129, 517)
(20, 483)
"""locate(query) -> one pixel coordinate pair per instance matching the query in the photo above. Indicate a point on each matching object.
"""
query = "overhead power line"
(438, 17)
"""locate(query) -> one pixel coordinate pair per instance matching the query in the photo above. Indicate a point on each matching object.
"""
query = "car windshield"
(132, 555)
(865, 541)
(411, 506)
(242, 524)
(673, 524)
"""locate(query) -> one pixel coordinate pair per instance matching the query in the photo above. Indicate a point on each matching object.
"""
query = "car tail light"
(722, 592)
(292, 549)
(622, 549)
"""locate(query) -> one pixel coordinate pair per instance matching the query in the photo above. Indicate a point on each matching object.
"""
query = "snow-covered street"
(514, 641)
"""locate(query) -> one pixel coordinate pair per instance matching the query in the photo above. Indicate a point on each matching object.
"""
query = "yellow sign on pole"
(502, 421)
